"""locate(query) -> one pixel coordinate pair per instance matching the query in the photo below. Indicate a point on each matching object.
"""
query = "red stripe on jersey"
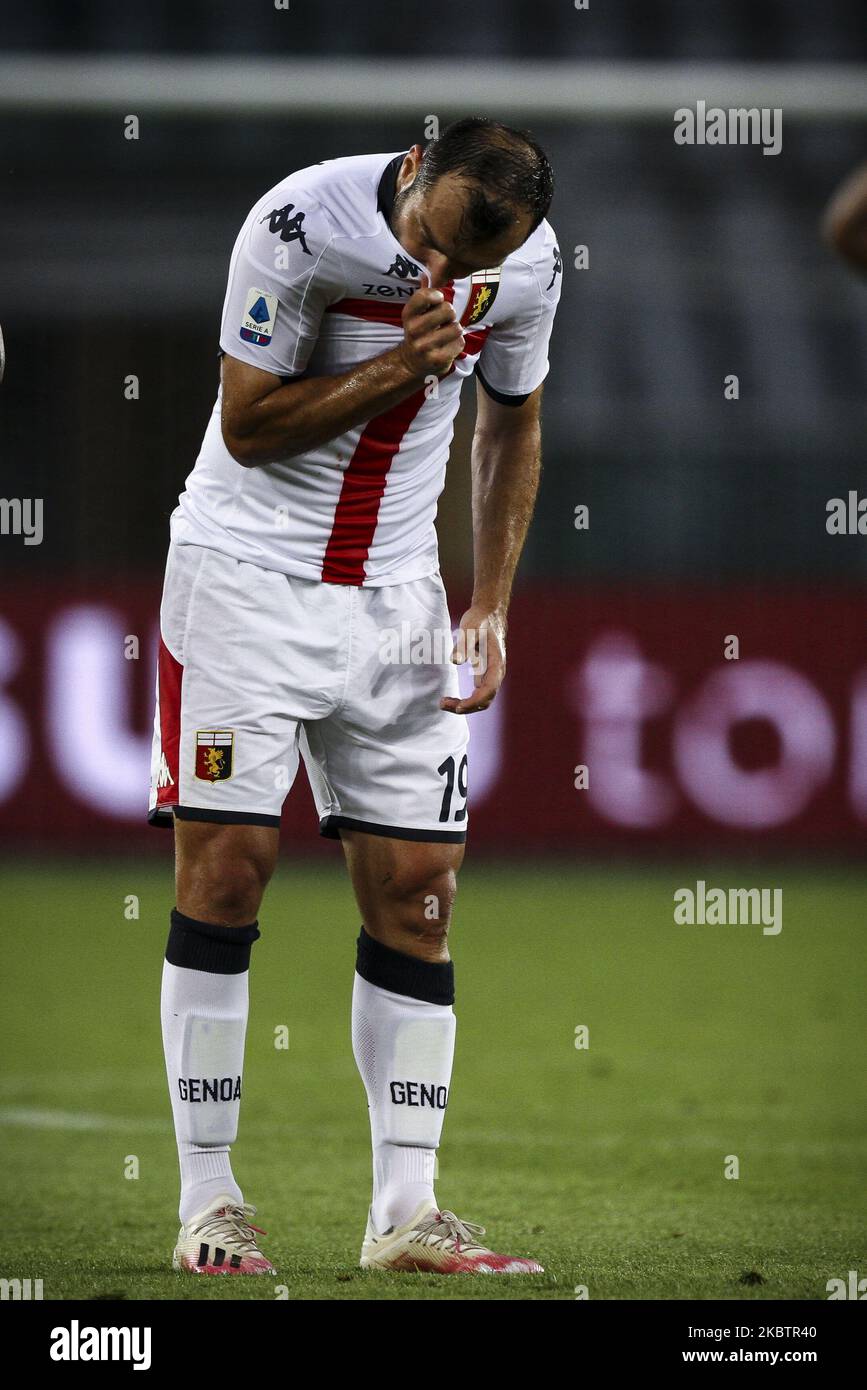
(366, 474)
(380, 310)
(474, 341)
(170, 675)
(364, 482)
(375, 311)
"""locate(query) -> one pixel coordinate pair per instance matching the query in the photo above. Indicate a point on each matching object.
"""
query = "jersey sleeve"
(283, 273)
(514, 358)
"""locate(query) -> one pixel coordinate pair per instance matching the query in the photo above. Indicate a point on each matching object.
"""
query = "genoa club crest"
(483, 291)
(214, 748)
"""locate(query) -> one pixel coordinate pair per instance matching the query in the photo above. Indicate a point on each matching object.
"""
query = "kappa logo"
(164, 776)
(558, 267)
(214, 750)
(403, 268)
(290, 228)
(484, 285)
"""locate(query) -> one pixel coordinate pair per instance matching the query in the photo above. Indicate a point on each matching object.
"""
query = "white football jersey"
(317, 283)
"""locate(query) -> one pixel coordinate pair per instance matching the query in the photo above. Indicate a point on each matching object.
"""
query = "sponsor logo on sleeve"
(260, 314)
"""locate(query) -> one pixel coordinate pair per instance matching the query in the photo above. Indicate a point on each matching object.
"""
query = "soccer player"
(362, 292)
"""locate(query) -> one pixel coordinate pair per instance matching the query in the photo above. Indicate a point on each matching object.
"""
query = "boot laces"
(443, 1226)
(231, 1224)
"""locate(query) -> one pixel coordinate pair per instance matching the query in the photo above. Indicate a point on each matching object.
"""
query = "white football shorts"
(258, 667)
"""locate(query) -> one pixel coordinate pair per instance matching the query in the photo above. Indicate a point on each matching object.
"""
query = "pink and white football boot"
(436, 1242)
(220, 1240)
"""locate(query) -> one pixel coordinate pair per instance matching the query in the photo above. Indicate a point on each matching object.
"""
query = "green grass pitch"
(607, 1163)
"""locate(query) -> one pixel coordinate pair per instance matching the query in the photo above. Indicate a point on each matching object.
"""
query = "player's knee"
(420, 897)
(222, 877)
(234, 890)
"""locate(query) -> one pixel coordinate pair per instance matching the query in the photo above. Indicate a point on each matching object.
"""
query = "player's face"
(428, 225)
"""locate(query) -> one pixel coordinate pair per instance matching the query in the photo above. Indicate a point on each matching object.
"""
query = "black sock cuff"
(434, 982)
(205, 946)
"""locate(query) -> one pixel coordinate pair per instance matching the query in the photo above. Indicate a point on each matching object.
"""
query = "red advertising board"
(629, 717)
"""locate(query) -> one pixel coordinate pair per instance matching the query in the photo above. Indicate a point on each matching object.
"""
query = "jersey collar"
(387, 189)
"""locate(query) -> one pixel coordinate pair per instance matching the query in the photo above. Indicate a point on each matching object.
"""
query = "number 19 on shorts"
(454, 807)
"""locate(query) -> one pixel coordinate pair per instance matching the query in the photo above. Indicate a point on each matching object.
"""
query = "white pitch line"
(19, 1085)
(32, 1117)
(23, 1117)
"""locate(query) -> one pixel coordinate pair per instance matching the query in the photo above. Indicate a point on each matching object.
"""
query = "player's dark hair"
(505, 167)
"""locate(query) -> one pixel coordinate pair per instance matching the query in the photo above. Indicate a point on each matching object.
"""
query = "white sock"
(204, 1023)
(403, 1178)
(404, 1047)
(206, 1174)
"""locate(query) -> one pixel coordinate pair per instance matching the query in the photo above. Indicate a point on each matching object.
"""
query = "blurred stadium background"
(706, 520)
(707, 516)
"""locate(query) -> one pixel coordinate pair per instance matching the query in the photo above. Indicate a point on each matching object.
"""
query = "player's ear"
(410, 166)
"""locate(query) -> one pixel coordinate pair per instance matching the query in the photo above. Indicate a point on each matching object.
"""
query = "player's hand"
(481, 640)
(432, 336)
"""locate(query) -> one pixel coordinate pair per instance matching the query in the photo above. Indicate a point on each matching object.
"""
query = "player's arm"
(506, 463)
(264, 419)
(844, 225)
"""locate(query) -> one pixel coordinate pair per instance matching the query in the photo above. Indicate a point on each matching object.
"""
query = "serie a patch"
(484, 285)
(214, 750)
(260, 316)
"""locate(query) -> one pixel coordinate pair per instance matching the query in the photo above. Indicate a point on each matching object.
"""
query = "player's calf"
(403, 1025)
(222, 871)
